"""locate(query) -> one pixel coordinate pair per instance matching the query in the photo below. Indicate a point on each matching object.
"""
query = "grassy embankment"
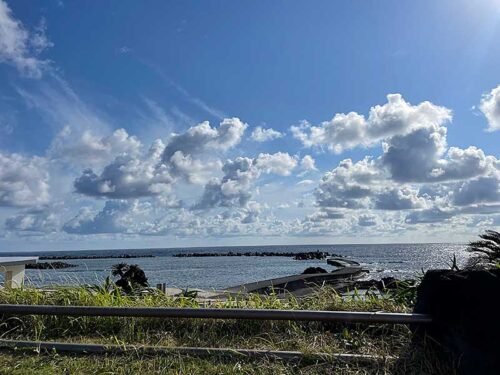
(309, 337)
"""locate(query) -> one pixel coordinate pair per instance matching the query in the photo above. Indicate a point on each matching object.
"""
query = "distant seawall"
(310, 255)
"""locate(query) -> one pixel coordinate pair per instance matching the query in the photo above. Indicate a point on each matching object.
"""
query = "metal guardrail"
(202, 313)
(84, 348)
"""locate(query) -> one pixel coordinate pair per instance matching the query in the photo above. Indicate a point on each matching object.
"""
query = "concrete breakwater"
(301, 285)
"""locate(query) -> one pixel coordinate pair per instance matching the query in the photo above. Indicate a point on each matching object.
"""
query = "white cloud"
(186, 157)
(194, 171)
(429, 216)
(128, 176)
(59, 106)
(346, 131)
(113, 218)
(32, 222)
(413, 157)
(279, 163)
(308, 164)
(234, 189)
(306, 182)
(89, 150)
(24, 181)
(490, 106)
(19, 47)
(484, 189)
(260, 134)
(421, 156)
(367, 220)
(203, 137)
(136, 174)
(349, 185)
(326, 213)
(416, 172)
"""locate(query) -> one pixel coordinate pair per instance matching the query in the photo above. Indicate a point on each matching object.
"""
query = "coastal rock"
(50, 266)
(383, 284)
(465, 310)
(312, 270)
(311, 255)
(120, 256)
(308, 255)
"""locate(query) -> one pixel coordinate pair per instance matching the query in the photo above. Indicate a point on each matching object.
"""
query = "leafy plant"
(454, 264)
(487, 250)
(186, 293)
(132, 277)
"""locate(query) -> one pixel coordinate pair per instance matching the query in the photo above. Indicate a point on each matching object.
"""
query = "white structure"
(13, 268)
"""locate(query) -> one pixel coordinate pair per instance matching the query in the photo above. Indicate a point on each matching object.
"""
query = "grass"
(308, 337)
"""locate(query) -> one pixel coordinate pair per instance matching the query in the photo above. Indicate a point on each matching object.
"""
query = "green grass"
(308, 337)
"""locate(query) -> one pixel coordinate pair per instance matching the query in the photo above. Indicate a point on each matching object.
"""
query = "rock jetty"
(68, 257)
(309, 255)
(50, 266)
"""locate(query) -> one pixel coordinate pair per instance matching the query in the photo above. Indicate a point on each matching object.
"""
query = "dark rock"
(311, 270)
(50, 266)
(465, 308)
(309, 255)
(384, 284)
(120, 256)
(313, 255)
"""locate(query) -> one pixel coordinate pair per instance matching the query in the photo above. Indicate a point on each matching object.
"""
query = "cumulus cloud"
(20, 47)
(89, 150)
(325, 214)
(117, 216)
(260, 134)
(135, 173)
(279, 163)
(349, 185)
(367, 220)
(417, 172)
(308, 164)
(189, 156)
(347, 131)
(484, 189)
(401, 198)
(421, 156)
(24, 181)
(412, 157)
(203, 137)
(33, 221)
(193, 170)
(234, 189)
(429, 216)
(128, 176)
(490, 106)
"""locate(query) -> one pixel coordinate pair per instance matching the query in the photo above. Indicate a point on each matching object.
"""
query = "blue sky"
(128, 124)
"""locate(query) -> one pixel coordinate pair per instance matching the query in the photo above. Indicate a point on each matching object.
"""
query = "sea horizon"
(29, 252)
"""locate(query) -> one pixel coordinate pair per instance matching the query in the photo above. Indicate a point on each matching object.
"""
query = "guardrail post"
(162, 287)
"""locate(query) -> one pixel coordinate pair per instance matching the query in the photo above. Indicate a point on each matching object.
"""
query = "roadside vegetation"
(308, 337)
(391, 344)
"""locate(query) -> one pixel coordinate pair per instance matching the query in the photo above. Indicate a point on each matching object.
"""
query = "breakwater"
(309, 255)
(69, 257)
(50, 266)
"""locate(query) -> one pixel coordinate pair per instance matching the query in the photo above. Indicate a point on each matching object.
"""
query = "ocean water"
(397, 260)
